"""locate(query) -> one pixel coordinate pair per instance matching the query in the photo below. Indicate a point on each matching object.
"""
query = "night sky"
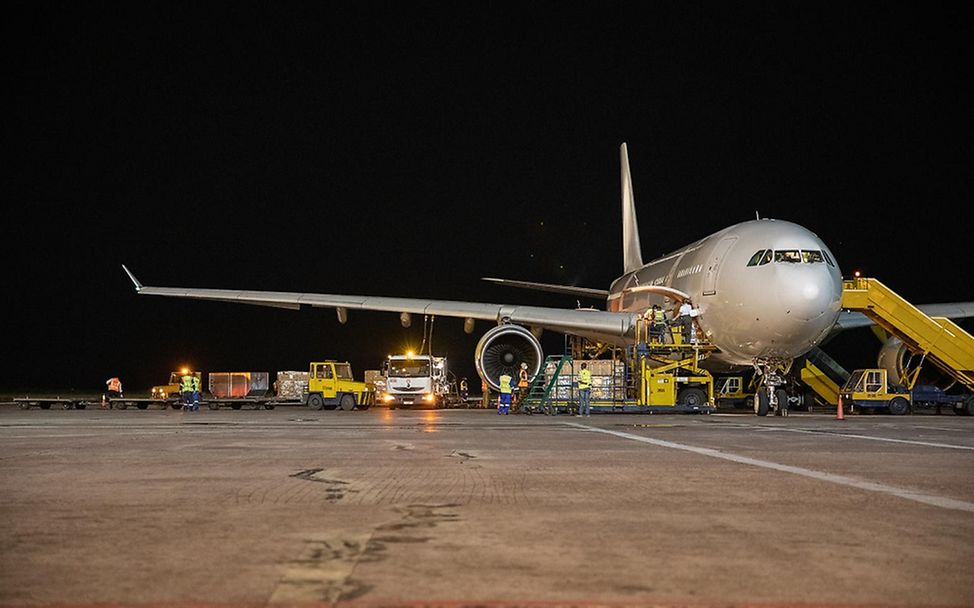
(410, 149)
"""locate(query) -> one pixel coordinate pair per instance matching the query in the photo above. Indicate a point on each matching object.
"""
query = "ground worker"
(584, 391)
(464, 390)
(186, 384)
(522, 382)
(114, 386)
(657, 323)
(504, 400)
(685, 319)
(484, 395)
(196, 393)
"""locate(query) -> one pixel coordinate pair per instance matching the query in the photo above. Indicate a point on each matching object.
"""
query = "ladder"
(540, 388)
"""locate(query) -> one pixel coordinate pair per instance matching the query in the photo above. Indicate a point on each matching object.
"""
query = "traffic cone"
(838, 410)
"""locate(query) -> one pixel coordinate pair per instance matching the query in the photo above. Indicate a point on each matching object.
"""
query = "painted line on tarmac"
(869, 486)
(888, 439)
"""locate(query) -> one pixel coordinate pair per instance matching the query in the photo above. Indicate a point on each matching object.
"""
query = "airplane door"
(713, 265)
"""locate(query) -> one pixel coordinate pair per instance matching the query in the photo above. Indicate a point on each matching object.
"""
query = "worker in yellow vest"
(584, 391)
(504, 401)
(196, 393)
(657, 324)
(186, 383)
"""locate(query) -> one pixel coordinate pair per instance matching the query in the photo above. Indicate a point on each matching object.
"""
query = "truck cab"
(415, 380)
(331, 385)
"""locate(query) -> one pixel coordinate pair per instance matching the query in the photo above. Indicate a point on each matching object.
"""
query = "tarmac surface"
(458, 508)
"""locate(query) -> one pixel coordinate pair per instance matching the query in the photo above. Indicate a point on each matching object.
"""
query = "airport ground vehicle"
(331, 385)
(870, 389)
(417, 380)
(732, 391)
(327, 385)
(166, 391)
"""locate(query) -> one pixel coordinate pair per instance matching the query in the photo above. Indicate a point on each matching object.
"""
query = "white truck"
(417, 381)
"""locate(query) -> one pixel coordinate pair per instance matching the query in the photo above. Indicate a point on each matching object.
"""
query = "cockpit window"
(828, 260)
(787, 255)
(767, 258)
(812, 257)
(755, 258)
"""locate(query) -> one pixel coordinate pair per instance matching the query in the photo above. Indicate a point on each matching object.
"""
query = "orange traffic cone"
(838, 410)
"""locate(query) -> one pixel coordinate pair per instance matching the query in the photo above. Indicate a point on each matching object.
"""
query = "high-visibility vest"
(114, 384)
(196, 383)
(584, 379)
(186, 384)
(505, 384)
(659, 317)
(522, 381)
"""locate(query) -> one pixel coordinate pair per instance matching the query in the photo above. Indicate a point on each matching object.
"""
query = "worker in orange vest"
(114, 386)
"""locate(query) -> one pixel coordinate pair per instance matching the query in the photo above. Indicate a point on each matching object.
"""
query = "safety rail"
(936, 339)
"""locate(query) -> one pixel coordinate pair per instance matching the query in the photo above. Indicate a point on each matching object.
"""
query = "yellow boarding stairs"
(938, 339)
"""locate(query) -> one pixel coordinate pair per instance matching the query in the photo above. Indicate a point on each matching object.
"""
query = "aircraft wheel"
(347, 403)
(315, 402)
(761, 404)
(898, 406)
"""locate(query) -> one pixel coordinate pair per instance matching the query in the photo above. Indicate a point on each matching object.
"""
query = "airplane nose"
(809, 294)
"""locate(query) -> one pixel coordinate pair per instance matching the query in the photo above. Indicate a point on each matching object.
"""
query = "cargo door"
(713, 265)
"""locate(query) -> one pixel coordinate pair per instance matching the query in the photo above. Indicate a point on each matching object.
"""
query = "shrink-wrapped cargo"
(291, 384)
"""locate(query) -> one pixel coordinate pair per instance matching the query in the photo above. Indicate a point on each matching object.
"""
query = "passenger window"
(755, 258)
(812, 257)
(790, 256)
(766, 259)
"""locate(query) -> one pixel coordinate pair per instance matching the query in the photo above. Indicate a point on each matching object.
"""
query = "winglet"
(138, 286)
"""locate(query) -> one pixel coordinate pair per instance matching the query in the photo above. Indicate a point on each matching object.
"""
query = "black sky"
(409, 149)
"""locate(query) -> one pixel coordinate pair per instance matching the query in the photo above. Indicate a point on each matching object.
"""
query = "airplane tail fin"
(632, 252)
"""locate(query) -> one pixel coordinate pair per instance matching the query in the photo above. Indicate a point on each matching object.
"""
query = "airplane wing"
(581, 322)
(587, 292)
(951, 310)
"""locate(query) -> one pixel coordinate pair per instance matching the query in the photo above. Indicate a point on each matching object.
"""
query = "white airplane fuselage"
(771, 311)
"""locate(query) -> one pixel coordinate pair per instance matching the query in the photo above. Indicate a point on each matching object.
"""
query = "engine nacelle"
(899, 362)
(503, 349)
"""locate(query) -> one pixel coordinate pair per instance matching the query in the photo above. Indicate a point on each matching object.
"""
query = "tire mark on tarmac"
(323, 572)
(927, 499)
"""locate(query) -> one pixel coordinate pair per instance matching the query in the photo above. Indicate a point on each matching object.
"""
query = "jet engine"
(503, 349)
(899, 363)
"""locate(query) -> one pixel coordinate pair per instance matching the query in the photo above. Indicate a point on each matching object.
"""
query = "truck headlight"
(428, 397)
(387, 398)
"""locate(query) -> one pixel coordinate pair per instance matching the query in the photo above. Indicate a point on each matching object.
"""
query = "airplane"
(765, 292)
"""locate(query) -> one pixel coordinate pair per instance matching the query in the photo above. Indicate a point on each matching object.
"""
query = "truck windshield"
(408, 369)
(343, 371)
